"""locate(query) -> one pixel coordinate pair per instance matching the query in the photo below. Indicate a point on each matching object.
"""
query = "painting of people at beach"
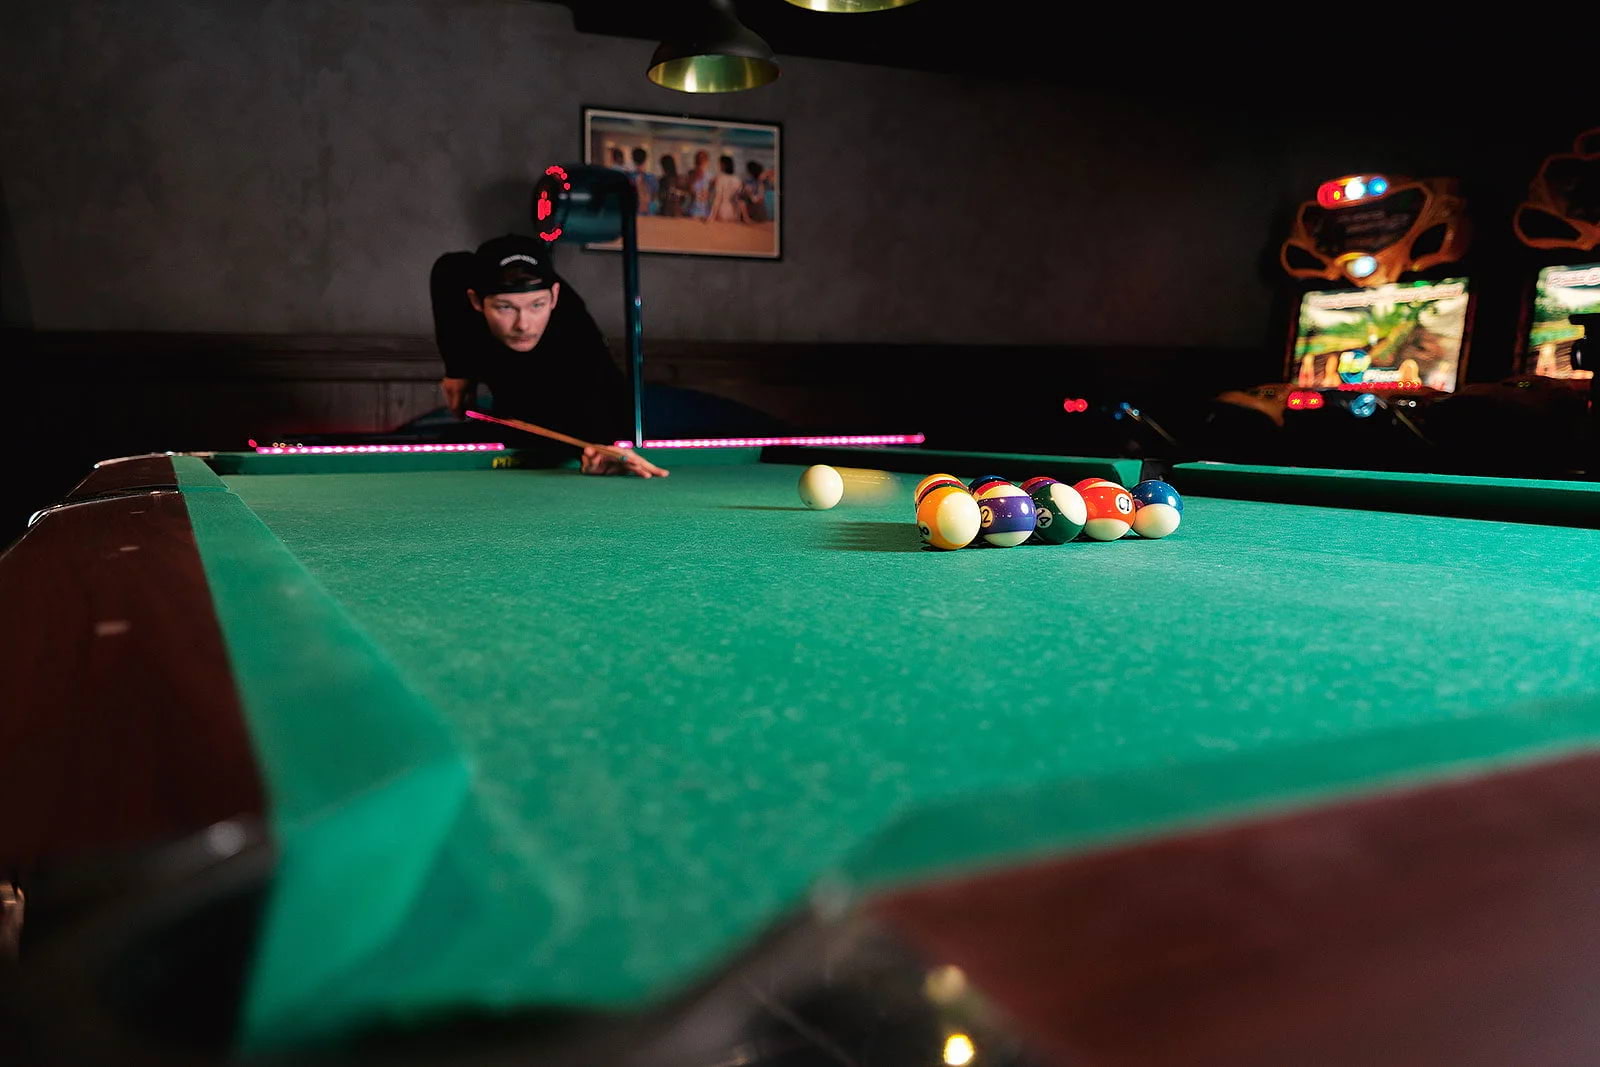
(705, 186)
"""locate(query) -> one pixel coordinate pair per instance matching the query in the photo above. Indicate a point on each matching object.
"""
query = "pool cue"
(528, 427)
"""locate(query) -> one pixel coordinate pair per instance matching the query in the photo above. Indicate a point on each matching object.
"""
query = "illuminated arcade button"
(1361, 267)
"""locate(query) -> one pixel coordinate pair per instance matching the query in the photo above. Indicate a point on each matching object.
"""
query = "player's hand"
(459, 394)
(598, 462)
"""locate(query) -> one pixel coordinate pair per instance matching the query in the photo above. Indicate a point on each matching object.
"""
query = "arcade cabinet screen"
(1559, 292)
(1394, 336)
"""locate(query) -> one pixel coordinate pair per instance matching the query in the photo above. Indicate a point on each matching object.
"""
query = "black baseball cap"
(513, 264)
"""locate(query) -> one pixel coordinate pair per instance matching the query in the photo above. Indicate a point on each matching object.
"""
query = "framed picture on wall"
(707, 187)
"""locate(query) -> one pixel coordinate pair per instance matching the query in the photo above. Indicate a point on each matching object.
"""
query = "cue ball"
(821, 487)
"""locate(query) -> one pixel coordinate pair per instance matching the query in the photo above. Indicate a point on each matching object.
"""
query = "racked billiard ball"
(1158, 509)
(932, 482)
(1085, 483)
(1007, 515)
(1060, 512)
(977, 484)
(1109, 510)
(947, 517)
(1155, 491)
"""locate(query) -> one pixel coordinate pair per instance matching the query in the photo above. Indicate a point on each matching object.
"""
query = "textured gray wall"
(295, 167)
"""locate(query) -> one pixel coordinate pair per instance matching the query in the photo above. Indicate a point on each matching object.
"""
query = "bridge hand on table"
(597, 462)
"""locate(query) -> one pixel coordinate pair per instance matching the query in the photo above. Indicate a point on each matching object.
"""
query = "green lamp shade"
(712, 73)
(714, 54)
(850, 6)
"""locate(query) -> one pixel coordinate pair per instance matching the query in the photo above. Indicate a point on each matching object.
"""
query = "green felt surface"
(364, 780)
(685, 701)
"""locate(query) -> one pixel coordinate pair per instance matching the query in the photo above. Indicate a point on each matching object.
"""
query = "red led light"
(349, 450)
(550, 238)
(557, 170)
(1074, 405)
(1304, 400)
(545, 207)
(1377, 387)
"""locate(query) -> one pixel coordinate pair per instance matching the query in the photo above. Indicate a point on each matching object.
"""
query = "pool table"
(311, 758)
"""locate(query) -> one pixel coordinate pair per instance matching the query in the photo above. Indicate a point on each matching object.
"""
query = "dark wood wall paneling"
(200, 391)
(214, 391)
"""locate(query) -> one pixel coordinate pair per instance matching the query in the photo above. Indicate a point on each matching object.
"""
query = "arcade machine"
(1561, 219)
(1539, 421)
(1370, 353)
(1382, 324)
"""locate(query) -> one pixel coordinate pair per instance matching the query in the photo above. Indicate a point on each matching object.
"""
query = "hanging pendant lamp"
(850, 6)
(716, 53)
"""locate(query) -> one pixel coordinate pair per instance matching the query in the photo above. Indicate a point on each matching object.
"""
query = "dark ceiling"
(1223, 54)
(1011, 39)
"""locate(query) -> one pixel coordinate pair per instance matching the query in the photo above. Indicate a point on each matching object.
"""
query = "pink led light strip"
(341, 450)
(761, 442)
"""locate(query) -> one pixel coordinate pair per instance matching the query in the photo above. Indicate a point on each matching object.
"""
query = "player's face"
(518, 320)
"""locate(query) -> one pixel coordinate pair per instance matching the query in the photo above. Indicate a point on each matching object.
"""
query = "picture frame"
(707, 187)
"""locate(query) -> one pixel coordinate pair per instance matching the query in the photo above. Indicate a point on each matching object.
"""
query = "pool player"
(501, 317)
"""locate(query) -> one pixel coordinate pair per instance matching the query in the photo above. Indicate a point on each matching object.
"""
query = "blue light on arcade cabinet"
(1364, 405)
(1378, 185)
(1361, 267)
